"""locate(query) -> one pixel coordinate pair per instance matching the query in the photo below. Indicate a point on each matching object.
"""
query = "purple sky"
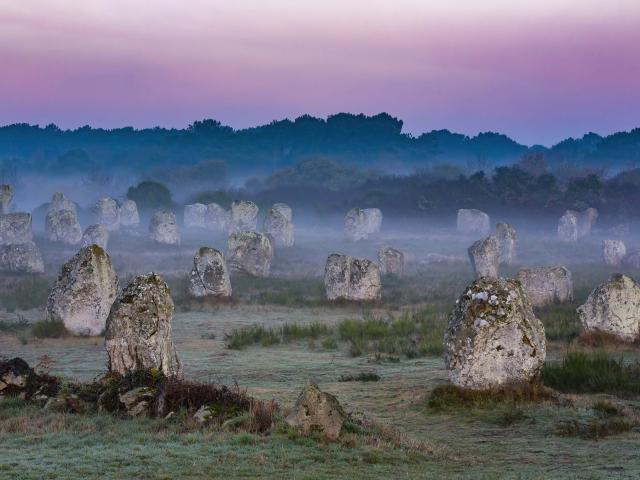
(537, 70)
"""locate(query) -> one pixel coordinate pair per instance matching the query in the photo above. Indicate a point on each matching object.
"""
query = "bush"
(150, 196)
(448, 397)
(48, 329)
(560, 322)
(24, 293)
(290, 332)
(360, 377)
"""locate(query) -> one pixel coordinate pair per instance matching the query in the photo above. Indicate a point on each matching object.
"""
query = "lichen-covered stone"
(6, 195)
(279, 227)
(15, 228)
(493, 337)
(194, 215)
(244, 216)
(613, 308)
(84, 292)
(216, 218)
(546, 285)
(317, 411)
(350, 278)
(138, 332)
(360, 223)
(209, 276)
(507, 243)
(391, 261)
(484, 257)
(473, 221)
(63, 226)
(613, 251)
(129, 217)
(21, 257)
(95, 235)
(284, 209)
(250, 253)
(107, 213)
(60, 202)
(163, 228)
(568, 227)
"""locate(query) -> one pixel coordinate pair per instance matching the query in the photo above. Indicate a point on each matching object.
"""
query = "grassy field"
(279, 333)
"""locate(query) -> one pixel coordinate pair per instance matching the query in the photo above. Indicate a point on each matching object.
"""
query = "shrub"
(257, 334)
(48, 329)
(150, 196)
(560, 322)
(447, 397)
(360, 377)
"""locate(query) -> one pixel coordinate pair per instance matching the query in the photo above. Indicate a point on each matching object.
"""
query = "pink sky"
(537, 70)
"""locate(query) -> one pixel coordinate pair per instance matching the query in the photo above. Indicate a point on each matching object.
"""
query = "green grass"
(450, 397)
(14, 326)
(24, 292)
(602, 420)
(287, 333)
(593, 372)
(560, 322)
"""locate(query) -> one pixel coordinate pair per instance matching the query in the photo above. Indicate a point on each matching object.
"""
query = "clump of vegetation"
(447, 397)
(48, 329)
(596, 372)
(560, 322)
(287, 333)
(24, 293)
(412, 334)
(605, 419)
(298, 292)
(360, 377)
(20, 325)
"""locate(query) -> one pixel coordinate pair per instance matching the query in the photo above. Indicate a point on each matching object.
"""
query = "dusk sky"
(537, 70)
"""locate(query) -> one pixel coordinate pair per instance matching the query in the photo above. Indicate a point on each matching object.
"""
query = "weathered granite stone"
(493, 337)
(484, 257)
(279, 227)
(317, 411)
(350, 278)
(107, 213)
(359, 223)
(473, 221)
(244, 216)
(391, 261)
(15, 228)
(209, 276)
(62, 226)
(250, 253)
(568, 227)
(95, 235)
(129, 217)
(21, 257)
(163, 228)
(507, 243)
(60, 202)
(613, 251)
(194, 215)
(285, 210)
(138, 332)
(217, 218)
(546, 285)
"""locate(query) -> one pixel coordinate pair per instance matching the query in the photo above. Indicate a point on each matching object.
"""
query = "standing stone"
(194, 215)
(62, 226)
(507, 243)
(21, 258)
(360, 223)
(84, 292)
(391, 261)
(279, 227)
(15, 228)
(472, 221)
(60, 202)
(163, 228)
(244, 216)
(216, 218)
(129, 214)
(484, 257)
(95, 235)
(107, 213)
(317, 411)
(250, 253)
(6, 195)
(209, 276)
(568, 227)
(285, 210)
(493, 338)
(586, 220)
(138, 332)
(350, 278)
(613, 308)
(613, 251)
(546, 285)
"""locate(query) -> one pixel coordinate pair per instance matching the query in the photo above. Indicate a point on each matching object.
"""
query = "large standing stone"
(360, 223)
(613, 251)
(163, 228)
(484, 257)
(507, 243)
(62, 226)
(60, 202)
(493, 337)
(391, 261)
(209, 276)
(129, 216)
(586, 220)
(107, 213)
(138, 332)
(473, 221)
(216, 218)
(21, 257)
(568, 227)
(96, 235)
(284, 209)
(250, 253)
(613, 308)
(546, 285)
(194, 215)
(84, 292)
(15, 228)
(350, 278)
(6, 195)
(244, 216)
(317, 411)
(279, 227)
